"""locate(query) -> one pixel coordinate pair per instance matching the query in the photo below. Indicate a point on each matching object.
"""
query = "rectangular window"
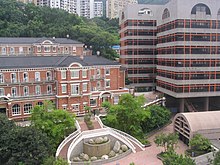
(116, 99)
(37, 76)
(39, 49)
(74, 74)
(54, 48)
(64, 88)
(26, 91)
(2, 92)
(4, 50)
(12, 50)
(49, 89)
(21, 50)
(46, 48)
(93, 102)
(107, 83)
(13, 78)
(25, 77)
(63, 74)
(37, 90)
(49, 76)
(1, 78)
(74, 49)
(64, 106)
(84, 87)
(84, 73)
(74, 89)
(13, 91)
(107, 71)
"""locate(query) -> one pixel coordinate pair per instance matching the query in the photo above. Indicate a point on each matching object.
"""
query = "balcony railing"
(42, 94)
(16, 81)
(97, 77)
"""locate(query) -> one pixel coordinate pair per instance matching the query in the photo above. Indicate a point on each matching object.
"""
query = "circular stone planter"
(97, 149)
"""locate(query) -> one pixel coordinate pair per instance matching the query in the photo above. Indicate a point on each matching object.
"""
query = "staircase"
(189, 106)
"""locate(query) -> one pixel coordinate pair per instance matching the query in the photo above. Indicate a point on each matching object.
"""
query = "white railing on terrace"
(68, 138)
(95, 133)
(161, 100)
(131, 138)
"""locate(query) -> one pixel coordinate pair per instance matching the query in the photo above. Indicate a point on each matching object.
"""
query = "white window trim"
(39, 90)
(47, 47)
(49, 91)
(18, 113)
(74, 71)
(78, 89)
(109, 83)
(109, 71)
(62, 71)
(95, 104)
(27, 90)
(25, 80)
(29, 110)
(36, 77)
(49, 78)
(84, 76)
(12, 92)
(64, 105)
(3, 91)
(62, 85)
(38, 49)
(86, 87)
(15, 79)
(2, 80)
(75, 105)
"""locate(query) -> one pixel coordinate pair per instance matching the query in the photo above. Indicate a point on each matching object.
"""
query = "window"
(75, 107)
(98, 71)
(16, 110)
(63, 74)
(1, 78)
(84, 73)
(107, 71)
(26, 91)
(98, 85)
(84, 87)
(3, 50)
(12, 50)
(25, 77)
(37, 90)
(2, 92)
(116, 99)
(13, 91)
(40, 103)
(49, 76)
(93, 102)
(49, 89)
(107, 83)
(74, 49)
(27, 108)
(74, 74)
(74, 89)
(201, 8)
(21, 50)
(13, 78)
(85, 104)
(54, 48)
(166, 14)
(46, 48)
(37, 76)
(39, 49)
(64, 88)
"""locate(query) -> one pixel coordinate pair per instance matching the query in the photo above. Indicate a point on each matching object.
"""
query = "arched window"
(166, 14)
(27, 108)
(16, 109)
(40, 103)
(201, 8)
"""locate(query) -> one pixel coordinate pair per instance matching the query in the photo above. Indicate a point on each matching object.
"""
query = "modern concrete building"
(114, 7)
(187, 49)
(70, 82)
(204, 123)
(138, 39)
(98, 8)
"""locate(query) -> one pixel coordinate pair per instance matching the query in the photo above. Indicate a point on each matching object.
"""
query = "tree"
(200, 143)
(106, 105)
(171, 158)
(167, 141)
(217, 158)
(159, 117)
(128, 115)
(53, 161)
(25, 145)
(55, 123)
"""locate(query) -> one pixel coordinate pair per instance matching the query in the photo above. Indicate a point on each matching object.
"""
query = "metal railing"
(17, 81)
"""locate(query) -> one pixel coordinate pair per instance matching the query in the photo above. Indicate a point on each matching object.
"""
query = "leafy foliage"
(159, 117)
(200, 143)
(167, 141)
(25, 145)
(55, 123)
(172, 158)
(128, 115)
(217, 158)
(26, 20)
(53, 161)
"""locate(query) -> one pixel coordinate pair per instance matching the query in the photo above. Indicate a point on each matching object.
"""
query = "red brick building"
(40, 46)
(70, 82)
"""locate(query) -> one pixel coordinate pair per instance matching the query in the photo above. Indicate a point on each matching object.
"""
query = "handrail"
(68, 138)
(161, 100)
(142, 146)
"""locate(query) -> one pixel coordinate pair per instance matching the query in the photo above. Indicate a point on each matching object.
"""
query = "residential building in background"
(98, 8)
(11, 46)
(70, 82)
(187, 50)
(114, 7)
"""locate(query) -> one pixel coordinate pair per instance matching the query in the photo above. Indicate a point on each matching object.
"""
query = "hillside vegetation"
(26, 20)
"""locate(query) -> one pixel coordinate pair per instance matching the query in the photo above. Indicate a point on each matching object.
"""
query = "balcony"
(28, 95)
(24, 81)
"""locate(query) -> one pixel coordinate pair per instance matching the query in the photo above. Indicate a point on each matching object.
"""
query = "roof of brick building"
(30, 40)
(15, 62)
